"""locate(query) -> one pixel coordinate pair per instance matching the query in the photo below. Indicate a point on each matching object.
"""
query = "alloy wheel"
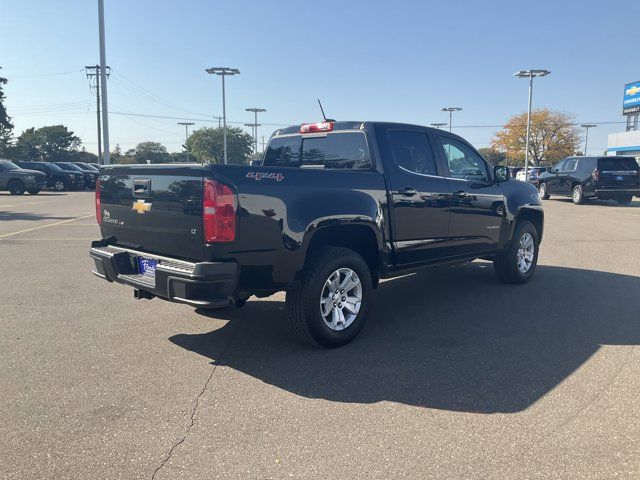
(341, 299)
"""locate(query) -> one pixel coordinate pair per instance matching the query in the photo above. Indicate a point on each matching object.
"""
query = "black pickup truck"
(334, 207)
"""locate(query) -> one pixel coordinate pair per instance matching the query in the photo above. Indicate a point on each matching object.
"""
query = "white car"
(534, 173)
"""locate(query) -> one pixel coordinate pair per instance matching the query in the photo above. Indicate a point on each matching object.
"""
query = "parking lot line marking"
(45, 226)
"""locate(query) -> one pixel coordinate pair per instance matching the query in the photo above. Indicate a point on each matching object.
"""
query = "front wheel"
(60, 185)
(542, 190)
(626, 200)
(16, 187)
(329, 306)
(518, 262)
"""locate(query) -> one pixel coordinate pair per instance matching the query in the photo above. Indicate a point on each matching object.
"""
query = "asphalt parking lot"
(455, 376)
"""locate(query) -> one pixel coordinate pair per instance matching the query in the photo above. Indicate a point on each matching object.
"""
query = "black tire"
(577, 195)
(34, 191)
(542, 190)
(506, 262)
(60, 185)
(303, 298)
(626, 200)
(16, 187)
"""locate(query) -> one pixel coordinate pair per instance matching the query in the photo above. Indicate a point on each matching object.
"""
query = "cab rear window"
(343, 151)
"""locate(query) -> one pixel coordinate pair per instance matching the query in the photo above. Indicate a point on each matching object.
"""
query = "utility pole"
(186, 136)
(263, 144)
(255, 125)
(586, 127)
(93, 71)
(103, 81)
(223, 72)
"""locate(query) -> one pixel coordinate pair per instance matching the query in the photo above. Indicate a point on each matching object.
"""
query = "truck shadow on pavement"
(451, 339)
(6, 216)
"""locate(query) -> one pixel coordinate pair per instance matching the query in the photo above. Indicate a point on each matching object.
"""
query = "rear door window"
(570, 165)
(412, 152)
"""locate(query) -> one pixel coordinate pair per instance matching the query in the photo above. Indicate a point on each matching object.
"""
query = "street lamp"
(186, 136)
(223, 72)
(255, 125)
(586, 127)
(451, 110)
(529, 74)
(438, 125)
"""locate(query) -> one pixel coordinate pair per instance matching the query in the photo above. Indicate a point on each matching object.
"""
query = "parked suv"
(18, 180)
(57, 178)
(90, 176)
(581, 178)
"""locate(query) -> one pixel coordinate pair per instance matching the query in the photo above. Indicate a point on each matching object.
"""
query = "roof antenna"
(323, 115)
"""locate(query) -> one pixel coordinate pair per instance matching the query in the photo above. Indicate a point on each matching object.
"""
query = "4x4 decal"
(278, 177)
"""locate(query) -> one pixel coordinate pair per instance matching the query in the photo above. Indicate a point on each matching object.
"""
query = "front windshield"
(86, 166)
(70, 166)
(9, 165)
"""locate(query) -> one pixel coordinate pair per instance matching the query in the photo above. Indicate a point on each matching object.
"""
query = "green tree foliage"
(494, 157)
(206, 145)
(5, 124)
(54, 143)
(83, 156)
(154, 151)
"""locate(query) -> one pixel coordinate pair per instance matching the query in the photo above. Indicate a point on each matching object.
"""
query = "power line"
(47, 74)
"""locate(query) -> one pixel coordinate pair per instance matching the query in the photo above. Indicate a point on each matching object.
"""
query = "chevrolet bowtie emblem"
(141, 207)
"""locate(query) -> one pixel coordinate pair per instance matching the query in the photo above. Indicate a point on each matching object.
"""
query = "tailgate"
(154, 208)
(618, 173)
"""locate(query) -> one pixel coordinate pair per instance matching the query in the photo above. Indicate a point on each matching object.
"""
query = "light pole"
(529, 74)
(103, 82)
(586, 127)
(438, 125)
(255, 125)
(186, 136)
(451, 110)
(223, 72)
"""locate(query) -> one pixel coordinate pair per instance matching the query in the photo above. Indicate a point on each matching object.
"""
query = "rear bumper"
(615, 192)
(201, 285)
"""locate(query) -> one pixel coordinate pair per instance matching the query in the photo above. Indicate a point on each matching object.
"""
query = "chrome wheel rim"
(576, 194)
(59, 185)
(542, 190)
(341, 299)
(526, 251)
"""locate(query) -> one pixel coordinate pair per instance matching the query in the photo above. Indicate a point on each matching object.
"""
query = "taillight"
(218, 212)
(595, 175)
(98, 209)
(316, 127)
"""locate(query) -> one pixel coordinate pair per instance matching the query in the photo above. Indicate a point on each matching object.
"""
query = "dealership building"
(628, 142)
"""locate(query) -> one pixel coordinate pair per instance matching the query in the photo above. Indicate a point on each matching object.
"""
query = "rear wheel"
(577, 195)
(59, 185)
(16, 187)
(542, 189)
(34, 191)
(626, 200)
(329, 306)
(518, 262)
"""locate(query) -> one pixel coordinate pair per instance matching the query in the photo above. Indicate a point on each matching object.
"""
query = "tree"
(154, 151)
(6, 126)
(553, 136)
(54, 143)
(83, 156)
(493, 156)
(206, 145)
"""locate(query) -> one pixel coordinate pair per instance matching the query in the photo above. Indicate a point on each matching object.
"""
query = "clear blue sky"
(369, 60)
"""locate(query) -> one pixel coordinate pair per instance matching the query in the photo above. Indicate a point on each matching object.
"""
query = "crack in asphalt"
(196, 404)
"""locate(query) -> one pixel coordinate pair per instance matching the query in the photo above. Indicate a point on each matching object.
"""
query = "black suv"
(18, 180)
(90, 176)
(57, 178)
(581, 178)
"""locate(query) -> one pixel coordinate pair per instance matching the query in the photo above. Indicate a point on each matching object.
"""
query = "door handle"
(408, 191)
(461, 194)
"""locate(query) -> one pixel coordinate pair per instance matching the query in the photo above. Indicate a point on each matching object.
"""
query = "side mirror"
(501, 173)
(554, 170)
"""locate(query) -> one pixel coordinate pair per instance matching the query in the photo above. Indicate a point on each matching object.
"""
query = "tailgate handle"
(142, 187)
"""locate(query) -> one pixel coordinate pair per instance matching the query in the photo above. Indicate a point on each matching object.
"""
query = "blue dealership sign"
(631, 100)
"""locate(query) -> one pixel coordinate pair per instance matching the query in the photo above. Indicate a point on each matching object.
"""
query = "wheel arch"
(533, 214)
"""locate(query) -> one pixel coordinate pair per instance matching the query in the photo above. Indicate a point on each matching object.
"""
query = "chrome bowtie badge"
(141, 207)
